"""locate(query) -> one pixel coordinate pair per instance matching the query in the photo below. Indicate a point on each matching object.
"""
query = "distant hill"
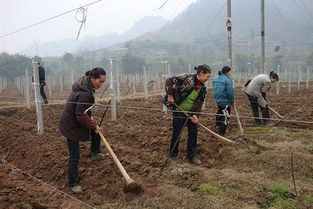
(288, 23)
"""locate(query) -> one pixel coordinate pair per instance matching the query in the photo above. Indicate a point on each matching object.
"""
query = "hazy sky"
(107, 16)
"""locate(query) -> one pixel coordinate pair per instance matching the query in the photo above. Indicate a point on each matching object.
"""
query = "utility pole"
(262, 37)
(228, 25)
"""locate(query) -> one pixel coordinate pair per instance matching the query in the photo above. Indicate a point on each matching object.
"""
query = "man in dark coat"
(76, 123)
(42, 82)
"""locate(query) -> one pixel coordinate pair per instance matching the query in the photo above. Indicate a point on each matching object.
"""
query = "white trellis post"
(277, 84)
(299, 78)
(307, 77)
(134, 83)
(145, 82)
(117, 79)
(206, 85)
(27, 96)
(61, 83)
(49, 83)
(38, 99)
(113, 88)
(289, 83)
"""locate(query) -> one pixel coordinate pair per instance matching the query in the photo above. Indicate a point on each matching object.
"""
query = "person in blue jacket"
(224, 97)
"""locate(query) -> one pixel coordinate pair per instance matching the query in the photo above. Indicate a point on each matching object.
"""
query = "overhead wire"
(48, 19)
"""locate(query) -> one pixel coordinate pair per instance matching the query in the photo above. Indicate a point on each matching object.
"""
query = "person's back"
(256, 92)
(70, 127)
(42, 82)
(260, 84)
(42, 76)
(223, 90)
(224, 96)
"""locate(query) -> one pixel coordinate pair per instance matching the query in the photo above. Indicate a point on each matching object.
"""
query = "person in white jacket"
(256, 91)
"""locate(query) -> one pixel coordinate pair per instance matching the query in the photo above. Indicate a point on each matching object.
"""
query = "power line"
(163, 4)
(306, 8)
(301, 12)
(217, 14)
(161, 31)
(48, 19)
(284, 20)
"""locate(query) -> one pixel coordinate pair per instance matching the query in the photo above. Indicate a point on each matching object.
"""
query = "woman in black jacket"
(76, 123)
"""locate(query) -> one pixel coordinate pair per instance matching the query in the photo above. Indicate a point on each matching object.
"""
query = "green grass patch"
(279, 196)
(284, 204)
(234, 192)
(210, 189)
(278, 190)
(308, 199)
(237, 193)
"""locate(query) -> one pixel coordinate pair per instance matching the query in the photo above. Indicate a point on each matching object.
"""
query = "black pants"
(73, 147)
(220, 119)
(255, 109)
(179, 120)
(43, 94)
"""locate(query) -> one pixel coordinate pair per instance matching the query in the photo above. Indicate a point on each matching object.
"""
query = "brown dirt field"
(238, 174)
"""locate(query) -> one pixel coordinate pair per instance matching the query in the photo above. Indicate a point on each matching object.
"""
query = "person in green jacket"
(188, 92)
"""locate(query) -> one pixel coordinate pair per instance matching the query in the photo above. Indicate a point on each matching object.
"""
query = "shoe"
(96, 156)
(46, 102)
(195, 161)
(173, 160)
(77, 189)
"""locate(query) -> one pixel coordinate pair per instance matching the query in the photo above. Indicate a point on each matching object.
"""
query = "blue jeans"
(74, 156)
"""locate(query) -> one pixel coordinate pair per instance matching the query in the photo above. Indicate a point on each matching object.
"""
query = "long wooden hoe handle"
(276, 113)
(116, 160)
(238, 119)
(221, 138)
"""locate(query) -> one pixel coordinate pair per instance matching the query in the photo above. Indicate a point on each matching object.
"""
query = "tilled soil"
(139, 137)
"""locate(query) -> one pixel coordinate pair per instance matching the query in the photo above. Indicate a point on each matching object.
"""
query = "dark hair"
(203, 68)
(274, 75)
(225, 70)
(96, 72)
